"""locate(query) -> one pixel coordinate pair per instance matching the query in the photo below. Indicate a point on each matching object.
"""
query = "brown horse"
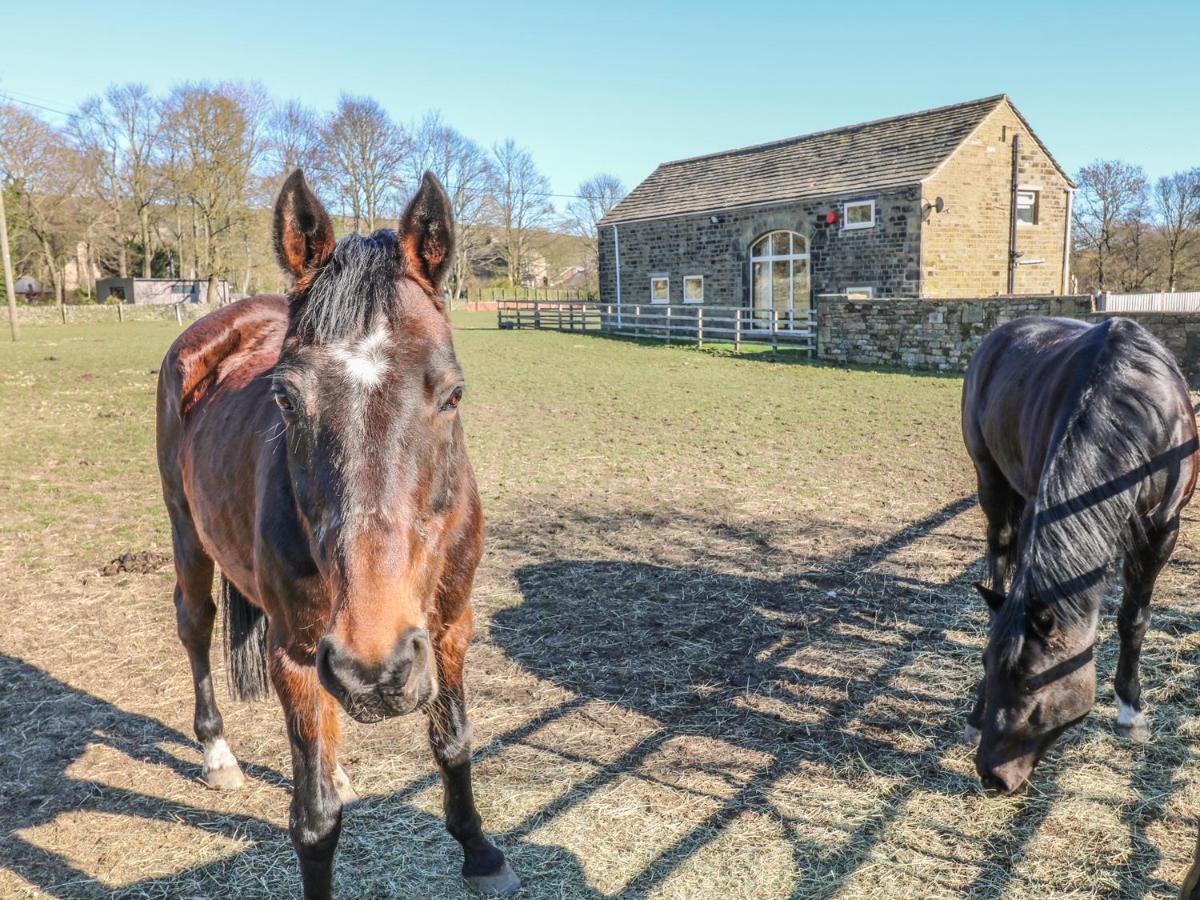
(310, 445)
(1084, 443)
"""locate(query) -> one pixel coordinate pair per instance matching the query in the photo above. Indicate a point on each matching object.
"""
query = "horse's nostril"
(325, 673)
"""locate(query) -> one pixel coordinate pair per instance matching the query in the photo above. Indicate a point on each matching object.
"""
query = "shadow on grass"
(833, 668)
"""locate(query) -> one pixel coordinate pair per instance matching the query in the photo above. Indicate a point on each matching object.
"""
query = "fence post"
(737, 329)
(120, 313)
(537, 313)
(699, 327)
(178, 315)
(668, 324)
(637, 321)
(774, 332)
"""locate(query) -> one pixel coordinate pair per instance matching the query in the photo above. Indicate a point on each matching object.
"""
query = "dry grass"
(726, 643)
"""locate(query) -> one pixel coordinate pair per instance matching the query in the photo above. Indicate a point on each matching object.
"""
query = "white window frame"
(1035, 206)
(665, 300)
(847, 225)
(792, 257)
(866, 290)
(686, 279)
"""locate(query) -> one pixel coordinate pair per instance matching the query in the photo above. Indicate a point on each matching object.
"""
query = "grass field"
(726, 640)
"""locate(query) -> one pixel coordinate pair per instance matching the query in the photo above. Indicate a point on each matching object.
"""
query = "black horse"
(1084, 442)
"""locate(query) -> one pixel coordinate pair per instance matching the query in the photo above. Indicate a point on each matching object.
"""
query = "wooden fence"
(692, 324)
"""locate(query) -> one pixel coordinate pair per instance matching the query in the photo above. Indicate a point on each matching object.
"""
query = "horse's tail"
(245, 644)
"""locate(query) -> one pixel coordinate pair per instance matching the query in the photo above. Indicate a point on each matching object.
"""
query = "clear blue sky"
(619, 87)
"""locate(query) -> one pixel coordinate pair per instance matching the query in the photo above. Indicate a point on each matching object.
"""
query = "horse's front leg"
(484, 866)
(1140, 572)
(314, 733)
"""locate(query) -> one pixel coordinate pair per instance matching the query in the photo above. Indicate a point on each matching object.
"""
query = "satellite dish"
(939, 204)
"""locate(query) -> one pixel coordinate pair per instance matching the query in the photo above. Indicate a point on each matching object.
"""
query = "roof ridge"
(754, 148)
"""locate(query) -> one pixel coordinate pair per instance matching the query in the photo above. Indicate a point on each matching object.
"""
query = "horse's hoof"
(1133, 723)
(345, 791)
(971, 736)
(1138, 731)
(226, 778)
(501, 883)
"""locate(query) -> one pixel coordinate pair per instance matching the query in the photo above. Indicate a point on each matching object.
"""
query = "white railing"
(687, 323)
(1161, 301)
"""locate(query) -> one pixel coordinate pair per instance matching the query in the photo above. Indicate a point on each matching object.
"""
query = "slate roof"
(877, 155)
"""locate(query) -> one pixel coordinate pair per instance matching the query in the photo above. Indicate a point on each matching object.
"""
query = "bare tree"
(294, 140)
(596, 198)
(1111, 195)
(363, 150)
(217, 138)
(521, 203)
(44, 173)
(466, 172)
(1177, 213)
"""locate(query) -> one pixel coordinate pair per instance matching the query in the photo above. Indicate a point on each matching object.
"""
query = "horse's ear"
(303, 230)
(427, 234)
(994, 599)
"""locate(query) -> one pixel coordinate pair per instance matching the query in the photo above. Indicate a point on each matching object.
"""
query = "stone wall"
(885, 257)
(941, 335)
(929, 335)
(104, 312)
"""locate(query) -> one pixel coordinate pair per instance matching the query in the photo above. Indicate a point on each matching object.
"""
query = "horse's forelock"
(352, 291)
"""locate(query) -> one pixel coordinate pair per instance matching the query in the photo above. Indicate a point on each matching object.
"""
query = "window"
(860, 214)
(1027, 207)
(860, 293)
(779, 285)
(693, 289)
(660, 289)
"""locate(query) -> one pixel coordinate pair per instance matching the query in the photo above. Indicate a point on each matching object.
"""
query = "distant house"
(571, 278)
(951, 202)
(159, 291)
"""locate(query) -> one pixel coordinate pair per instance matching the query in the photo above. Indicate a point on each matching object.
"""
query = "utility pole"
(9, 290)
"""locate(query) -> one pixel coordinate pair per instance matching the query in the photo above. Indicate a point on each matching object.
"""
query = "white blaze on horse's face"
(364, 361)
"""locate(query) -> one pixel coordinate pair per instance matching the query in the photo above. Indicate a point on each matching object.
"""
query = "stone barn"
(960, 201)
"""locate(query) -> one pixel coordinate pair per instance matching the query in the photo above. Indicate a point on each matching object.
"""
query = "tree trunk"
(210, 296)
(194, 270)
(147, 250)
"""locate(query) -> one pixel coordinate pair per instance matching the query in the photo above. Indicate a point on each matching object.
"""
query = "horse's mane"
(1082, 517)
(352, 290)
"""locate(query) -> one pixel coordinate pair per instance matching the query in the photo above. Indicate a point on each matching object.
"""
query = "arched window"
(779, 279)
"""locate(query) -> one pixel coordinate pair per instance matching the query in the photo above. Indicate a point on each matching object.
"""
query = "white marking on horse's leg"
(1128, 716)
(217, 755)
(341, 783)
(971, 736)
(221, 769)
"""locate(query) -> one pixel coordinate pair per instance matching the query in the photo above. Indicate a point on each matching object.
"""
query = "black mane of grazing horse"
(1082, 518)
(1084, 443)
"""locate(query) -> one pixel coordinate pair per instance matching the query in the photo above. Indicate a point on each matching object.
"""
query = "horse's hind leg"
(1003, 507)
(195, 613)
(1140, 572)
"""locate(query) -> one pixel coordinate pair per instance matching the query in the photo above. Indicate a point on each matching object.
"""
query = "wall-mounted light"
(713, 219)
(831, 217)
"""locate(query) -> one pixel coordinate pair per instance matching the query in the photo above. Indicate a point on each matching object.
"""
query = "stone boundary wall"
(102, 312)
(941, 335)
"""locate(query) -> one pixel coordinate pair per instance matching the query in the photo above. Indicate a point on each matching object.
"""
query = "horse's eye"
(454, 399)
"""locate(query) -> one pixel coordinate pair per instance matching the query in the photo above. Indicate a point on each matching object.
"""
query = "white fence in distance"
(693, 324)
(1160, 301)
